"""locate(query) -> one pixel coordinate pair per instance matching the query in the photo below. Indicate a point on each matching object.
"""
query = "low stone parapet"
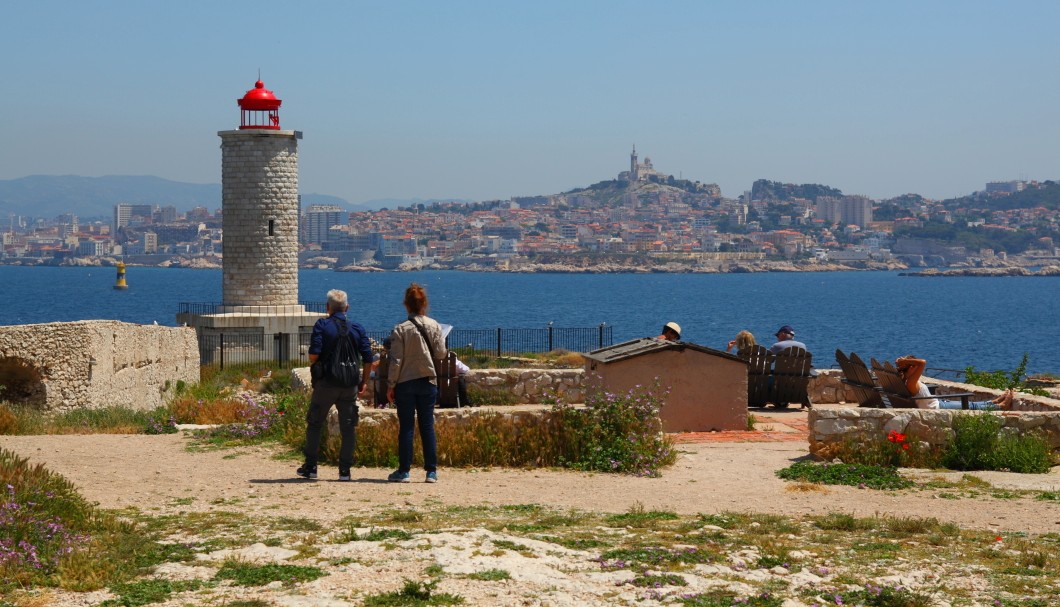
(831, 427)
(521, 386)
(531, 386)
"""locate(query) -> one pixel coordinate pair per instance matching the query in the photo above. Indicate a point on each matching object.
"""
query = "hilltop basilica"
(639, 171)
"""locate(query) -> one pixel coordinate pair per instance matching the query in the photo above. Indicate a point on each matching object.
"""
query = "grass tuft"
(248, 574)
(413, 594)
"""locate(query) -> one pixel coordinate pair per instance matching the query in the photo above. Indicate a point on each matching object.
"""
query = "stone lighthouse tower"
(259, 200)
(260, 208)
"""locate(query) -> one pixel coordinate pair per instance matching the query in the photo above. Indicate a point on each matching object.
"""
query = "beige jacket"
(409, 357)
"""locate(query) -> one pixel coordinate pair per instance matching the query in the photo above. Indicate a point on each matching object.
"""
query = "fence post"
(498, 342)
(601, 335)
(222, 350)
(550, 336)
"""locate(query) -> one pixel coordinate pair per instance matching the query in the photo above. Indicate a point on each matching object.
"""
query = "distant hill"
(392, 203)
(51, 195)
(612, 191)
(1046, 194)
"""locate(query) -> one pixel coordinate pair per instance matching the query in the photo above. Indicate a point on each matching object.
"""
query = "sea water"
(953, 322)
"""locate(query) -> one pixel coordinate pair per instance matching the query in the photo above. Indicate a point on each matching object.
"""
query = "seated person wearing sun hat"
(785, 340)
(671, 331)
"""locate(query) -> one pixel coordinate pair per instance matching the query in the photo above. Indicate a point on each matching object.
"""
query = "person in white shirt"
(912, 368)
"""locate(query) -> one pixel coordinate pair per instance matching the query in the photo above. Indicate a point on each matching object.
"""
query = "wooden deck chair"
(448, 383)
(893, 386)
(759, 366)
(791, 375)
(858, 377)
(895, 390)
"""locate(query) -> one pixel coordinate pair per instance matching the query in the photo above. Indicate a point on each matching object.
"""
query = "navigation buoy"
(120, 284)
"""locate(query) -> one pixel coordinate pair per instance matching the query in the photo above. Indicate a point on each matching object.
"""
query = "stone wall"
(95, 363)
(831, 427)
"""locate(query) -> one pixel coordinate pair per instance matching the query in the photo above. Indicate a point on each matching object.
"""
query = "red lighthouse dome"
(259, 109)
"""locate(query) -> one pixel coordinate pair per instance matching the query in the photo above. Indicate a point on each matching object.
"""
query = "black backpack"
(342, 367)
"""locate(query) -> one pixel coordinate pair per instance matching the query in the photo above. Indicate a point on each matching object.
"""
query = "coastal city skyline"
(463, 101)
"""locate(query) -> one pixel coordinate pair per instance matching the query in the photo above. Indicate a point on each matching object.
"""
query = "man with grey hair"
(327, 392)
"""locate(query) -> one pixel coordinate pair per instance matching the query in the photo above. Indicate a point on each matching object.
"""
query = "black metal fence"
(220, 308)
(292, 349)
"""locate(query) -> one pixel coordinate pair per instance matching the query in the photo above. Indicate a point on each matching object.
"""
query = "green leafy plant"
(145, 592)
(490, 575)
(880, 596)
(856, 475)
(637, 516)
(1003, 380)
(413, 594)
(247, 574)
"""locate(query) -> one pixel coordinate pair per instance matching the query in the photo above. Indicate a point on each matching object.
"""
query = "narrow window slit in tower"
(272, 227)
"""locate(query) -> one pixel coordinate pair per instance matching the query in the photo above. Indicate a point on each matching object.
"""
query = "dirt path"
(154, 472)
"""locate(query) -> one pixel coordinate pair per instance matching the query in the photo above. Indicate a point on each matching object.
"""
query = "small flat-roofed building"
(707, 387)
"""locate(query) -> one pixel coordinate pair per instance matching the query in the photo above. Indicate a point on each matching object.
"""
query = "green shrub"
(979, 445)
(974, 438)
(617, 433)
(1025, 453)
(1003, 380)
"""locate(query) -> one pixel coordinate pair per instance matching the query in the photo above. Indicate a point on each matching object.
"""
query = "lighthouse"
(260, 208)
(259, 202)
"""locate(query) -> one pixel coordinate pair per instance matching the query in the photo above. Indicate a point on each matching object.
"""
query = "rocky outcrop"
(989, 272)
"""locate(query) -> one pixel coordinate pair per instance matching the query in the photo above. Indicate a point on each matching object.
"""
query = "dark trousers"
(461, 392)
(414, 398)
(345, 400)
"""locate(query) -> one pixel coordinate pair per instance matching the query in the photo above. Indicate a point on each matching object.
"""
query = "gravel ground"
(153, 472)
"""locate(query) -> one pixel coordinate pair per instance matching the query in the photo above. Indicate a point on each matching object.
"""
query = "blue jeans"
(345, 400)
(979, 405)
(413, 398)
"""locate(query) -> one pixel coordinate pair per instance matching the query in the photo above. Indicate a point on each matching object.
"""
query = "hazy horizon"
(478, 101)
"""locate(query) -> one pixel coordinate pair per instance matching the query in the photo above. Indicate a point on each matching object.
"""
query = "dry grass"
(808, 488)
(8, 420)
(569, 359)
(190, 410)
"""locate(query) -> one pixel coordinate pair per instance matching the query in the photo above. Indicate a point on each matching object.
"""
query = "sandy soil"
(153, 472)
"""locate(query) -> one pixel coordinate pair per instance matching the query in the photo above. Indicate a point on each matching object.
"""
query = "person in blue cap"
(786, 339)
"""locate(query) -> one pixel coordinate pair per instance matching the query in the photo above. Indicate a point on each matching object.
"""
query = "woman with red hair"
(413, 384)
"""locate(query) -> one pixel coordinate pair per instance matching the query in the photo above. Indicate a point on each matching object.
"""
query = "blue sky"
(484, 100)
